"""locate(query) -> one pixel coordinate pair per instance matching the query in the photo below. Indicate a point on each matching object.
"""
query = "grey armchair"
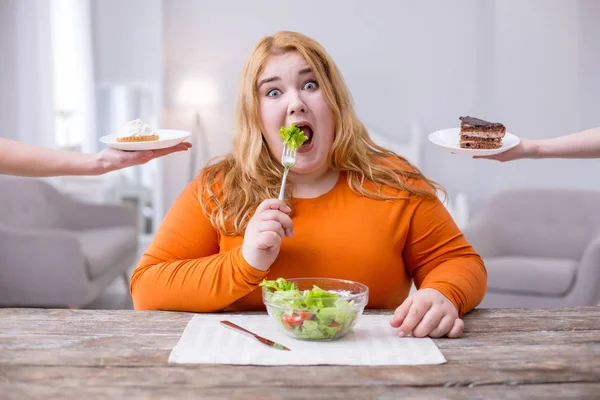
(541, 247)
(56, 251)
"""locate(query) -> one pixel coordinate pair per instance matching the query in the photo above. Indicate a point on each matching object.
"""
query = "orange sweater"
(189, 266)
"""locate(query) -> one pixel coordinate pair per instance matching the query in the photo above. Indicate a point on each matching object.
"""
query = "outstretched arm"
(584, 144)
(27, 160)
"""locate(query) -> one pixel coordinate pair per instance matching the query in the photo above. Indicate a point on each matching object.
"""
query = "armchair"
(541, 247)
(59, 252)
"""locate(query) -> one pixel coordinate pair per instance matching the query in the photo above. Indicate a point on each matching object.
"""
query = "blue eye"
(274, 93)
(311, 85)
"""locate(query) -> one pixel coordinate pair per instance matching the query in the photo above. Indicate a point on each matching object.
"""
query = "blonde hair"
(233, 187)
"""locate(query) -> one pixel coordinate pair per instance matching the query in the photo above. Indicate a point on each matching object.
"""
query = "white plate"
(166, 138)
(448, 139)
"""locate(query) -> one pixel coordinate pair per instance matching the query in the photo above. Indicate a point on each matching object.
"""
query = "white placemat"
(372, 342)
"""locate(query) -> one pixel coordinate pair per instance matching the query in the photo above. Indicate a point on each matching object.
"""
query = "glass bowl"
(317, 315)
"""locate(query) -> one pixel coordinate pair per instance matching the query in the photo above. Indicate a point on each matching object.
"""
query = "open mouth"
(308, 132)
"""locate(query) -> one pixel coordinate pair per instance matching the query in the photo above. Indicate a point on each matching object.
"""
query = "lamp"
(197, 94)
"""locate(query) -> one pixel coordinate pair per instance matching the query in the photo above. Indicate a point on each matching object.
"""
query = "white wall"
(534, 83)
(524, 63)
(589, 62)
(127, 40)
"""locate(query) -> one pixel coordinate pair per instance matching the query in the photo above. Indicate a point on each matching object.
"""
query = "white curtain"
(46, 53)
(26, 89)
(74, 92)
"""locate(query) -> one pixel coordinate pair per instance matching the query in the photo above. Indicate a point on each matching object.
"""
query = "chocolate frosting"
(471, 121)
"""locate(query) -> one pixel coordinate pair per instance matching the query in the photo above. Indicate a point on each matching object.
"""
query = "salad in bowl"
(315, 308)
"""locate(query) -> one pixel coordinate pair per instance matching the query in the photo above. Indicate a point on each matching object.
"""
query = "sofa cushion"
(530, 275)
(28, 204)
(104, 248)
(525, 222)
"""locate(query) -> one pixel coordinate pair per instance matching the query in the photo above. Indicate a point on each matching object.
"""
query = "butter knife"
(265, 341)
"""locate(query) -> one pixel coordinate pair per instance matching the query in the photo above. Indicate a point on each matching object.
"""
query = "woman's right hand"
(266, 229)
(525, 149)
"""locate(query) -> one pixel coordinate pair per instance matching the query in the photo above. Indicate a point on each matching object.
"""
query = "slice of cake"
(137, 132)
(476, 133)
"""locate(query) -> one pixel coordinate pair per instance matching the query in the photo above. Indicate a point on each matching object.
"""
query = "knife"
(265, 341)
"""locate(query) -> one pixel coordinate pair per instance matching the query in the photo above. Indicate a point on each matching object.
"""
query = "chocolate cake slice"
(476, 133)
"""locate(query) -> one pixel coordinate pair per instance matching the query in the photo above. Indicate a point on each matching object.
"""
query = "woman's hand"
(265, 231)
(427, 313)
(112, 159)
(525, 149)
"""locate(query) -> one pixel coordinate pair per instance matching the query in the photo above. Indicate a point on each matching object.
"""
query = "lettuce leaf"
(293, 136)
(278, 285)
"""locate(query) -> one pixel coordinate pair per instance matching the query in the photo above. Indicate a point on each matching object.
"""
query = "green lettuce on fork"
(314, 314)
(293, 136)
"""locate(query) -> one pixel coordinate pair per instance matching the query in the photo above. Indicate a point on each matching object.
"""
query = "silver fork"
(288, 159)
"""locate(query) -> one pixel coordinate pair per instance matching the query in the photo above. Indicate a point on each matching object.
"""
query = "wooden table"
(93, 354)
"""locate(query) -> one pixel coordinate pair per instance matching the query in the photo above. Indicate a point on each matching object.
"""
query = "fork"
(288, 159)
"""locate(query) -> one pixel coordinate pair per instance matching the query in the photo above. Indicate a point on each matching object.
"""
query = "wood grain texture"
(96, 354)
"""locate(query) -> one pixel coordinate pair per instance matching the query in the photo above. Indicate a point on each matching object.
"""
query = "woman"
(354, 210)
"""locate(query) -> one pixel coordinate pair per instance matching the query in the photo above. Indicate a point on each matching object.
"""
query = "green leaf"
(292, 136)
